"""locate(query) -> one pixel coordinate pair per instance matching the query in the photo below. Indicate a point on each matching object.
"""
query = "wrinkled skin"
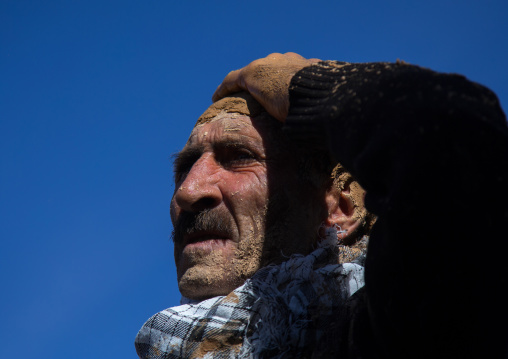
(239, 169)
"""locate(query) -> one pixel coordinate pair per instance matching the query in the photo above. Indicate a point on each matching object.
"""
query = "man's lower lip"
(207, 243)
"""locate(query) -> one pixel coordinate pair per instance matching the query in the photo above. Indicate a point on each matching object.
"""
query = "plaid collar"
(283, 311)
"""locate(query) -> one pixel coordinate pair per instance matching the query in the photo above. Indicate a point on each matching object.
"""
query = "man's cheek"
(250, 200)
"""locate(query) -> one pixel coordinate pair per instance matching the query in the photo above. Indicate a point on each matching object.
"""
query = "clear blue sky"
(95, 96)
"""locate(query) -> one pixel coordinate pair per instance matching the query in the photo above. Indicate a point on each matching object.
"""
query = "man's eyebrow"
(230, 142)
(185, 157)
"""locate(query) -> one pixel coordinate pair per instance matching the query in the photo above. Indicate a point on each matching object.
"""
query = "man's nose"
(200, 190)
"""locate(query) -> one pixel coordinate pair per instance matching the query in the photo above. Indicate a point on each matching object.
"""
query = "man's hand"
(267, 80)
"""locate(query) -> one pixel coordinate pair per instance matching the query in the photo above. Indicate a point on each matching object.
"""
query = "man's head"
(246, 197)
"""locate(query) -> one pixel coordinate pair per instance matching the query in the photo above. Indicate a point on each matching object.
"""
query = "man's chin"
(203, 282)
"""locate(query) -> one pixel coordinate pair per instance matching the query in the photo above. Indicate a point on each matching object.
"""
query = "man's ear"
(342, 210)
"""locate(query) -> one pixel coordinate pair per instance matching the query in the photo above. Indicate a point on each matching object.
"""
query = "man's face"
(233, 178)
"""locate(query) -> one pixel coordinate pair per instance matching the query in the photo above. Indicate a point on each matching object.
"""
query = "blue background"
(95, 96)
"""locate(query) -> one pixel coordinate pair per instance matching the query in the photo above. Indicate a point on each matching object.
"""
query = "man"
(430, 149)
(237, 207)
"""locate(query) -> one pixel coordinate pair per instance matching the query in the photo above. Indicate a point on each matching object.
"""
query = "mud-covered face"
(237, 205)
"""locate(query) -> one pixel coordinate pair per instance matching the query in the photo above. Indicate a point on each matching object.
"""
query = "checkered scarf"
(284, 311)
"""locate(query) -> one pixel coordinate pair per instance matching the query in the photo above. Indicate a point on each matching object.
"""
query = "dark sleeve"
(431, 150)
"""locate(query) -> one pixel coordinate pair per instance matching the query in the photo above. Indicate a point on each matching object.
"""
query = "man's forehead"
(238, 118)
(225, 126)
(242, 103)
(230, 121)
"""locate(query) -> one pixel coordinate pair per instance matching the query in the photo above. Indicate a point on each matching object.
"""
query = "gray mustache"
(208, 220)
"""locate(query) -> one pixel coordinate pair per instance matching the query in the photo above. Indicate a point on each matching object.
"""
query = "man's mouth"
(203, 236)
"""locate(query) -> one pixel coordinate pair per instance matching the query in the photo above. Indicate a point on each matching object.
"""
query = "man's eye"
(244, 156)
(237, 158)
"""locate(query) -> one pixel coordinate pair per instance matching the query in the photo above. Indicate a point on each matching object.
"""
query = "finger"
(230, 84)
(224, 90)
(216, 96)
(294, 55)
(273, 55)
